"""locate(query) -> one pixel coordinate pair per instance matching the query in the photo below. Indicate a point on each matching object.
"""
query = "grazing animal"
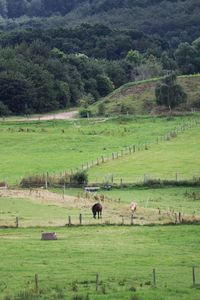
(102, 197)
(97, 209)
(133, 206)
(96, 197)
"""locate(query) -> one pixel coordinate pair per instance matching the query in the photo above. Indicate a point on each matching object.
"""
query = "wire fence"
(162, 178)
(66, 175)
(132, 149)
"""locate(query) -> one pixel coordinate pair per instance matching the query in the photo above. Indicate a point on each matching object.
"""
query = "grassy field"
(183, 199)
(52, 209)
(139, 97)
(53, 146)
(174, 159)
(123, 256)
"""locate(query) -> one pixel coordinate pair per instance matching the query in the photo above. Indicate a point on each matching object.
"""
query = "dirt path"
(56, 116)
(40, 195)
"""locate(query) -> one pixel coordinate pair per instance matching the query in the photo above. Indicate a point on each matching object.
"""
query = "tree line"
(176, 21)
(44, 70)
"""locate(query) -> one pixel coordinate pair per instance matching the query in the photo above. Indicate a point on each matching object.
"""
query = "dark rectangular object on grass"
(49, 236)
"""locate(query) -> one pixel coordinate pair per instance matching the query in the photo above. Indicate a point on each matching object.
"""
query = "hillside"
(35, 147)
(172, 159)
(176, 20)
(139, 97)
(55, 55)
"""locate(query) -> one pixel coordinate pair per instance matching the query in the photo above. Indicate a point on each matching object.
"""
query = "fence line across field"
(131, 149)
(170, 217)
(144, 178)
(154, 279)
(49, 181)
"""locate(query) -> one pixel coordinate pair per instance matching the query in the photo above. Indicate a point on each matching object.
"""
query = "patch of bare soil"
(57, 116)
(39, 195)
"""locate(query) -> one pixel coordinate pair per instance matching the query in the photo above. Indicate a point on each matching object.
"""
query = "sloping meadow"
(28, 148)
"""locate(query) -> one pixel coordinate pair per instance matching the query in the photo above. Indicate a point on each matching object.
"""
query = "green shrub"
(85, 113)
(81, 177)
(40, 180)
(101, 109)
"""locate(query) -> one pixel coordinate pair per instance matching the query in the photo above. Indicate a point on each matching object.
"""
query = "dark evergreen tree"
(169, 93)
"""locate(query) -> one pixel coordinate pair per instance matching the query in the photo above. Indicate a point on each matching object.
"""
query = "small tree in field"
(80, 177)
(101, 109)
(169, 93)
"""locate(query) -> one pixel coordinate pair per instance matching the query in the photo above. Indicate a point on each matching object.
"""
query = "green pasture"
(27, 148)
(123, 256)
(33, 212)
(180, 199)
(175, 159)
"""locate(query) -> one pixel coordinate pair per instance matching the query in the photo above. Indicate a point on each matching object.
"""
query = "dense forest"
(45, 64)
(175, 20)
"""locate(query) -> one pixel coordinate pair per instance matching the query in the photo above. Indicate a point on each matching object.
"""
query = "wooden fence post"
(46, 181)
(36, 283)
(176, 221)
(176, 176)
(132, 220)
(97, 281)
(179, 217)
(193, 276)
(154, 277)
(17, 222)
(80, 219)
(122, 220)
(145, 178)
(121, 182)
(69, 221)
